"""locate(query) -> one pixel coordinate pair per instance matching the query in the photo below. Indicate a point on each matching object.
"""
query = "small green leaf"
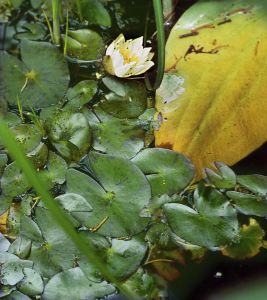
(21, 247)
(133, 102)
(168, 172)
(95, 13)
(224, 179)
(30, 230)
(84, 44)
(254, 183)
(73, 284)
(32, 284)
(81, 93)
(197, 229)
(251, 240)
(249, 204)
(34, 31)
(4, 243)
(3, 162)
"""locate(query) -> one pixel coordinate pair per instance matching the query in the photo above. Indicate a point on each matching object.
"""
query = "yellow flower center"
(124, 51)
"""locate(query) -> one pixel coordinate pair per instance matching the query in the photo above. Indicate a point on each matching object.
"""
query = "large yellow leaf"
(212, 103)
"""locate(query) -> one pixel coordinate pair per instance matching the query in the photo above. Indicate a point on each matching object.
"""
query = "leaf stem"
(56, 5)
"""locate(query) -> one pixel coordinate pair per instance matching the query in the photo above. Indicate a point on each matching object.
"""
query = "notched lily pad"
(84, 44)
(32, 284)
(254, 183)
(39, 80)
(81, 93)
(126, 99)
(32, 31)
(117, 198)
(73, 284)
(198, 229)
(167, 171)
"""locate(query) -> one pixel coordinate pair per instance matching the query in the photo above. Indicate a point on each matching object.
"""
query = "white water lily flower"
(127, 58)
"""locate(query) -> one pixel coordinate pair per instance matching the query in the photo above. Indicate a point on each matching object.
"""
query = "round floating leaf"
(210, 202)
(167, 171)
(30, 230)
(94, 12)
(16, 295)
(56, 169)
(21, 247)
(119, 198)
(117, 137)
(249, 204)
(27, 135)
(201, 230)
(251, 240)
(12, 268)
(33, 31)
(32, 284)
(124, 257)
(70, 133)
(81, 93)
(43, 75)
(84, 44)
(4, 243)
(214, 108)
(159, 235)
(254, 183)
(126, 99)
(13, 182)
(73, 284)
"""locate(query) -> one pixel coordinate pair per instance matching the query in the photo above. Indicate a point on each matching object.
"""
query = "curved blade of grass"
(16, 152)
(157, 5)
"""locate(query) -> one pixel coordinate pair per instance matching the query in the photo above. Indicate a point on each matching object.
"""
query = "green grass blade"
(16, 152)
(157, 5)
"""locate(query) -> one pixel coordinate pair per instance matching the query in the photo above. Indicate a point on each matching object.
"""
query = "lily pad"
(21, 247)
(3, 162)
(33, 31)
(73, 284)
(198, 229)
(249, 204)
(115, 136)
(94, 12)
(13, 182)
(39, 80)
(70, 134)
(32, 284)
(118, 198)
(124, 257)
(4, 243)
(84, 44)
(81, 93)
(167, 171)
(126, 99)
(254, 183)
(12, 268)
(251, 240)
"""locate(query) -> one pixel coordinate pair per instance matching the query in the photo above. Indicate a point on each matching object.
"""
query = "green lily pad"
(32, 284)
(42, 75)
(224, 179)
(56, 169)
(210, 202)
(249, 204)
(21, 247)
(12, 268)
(16, 295)
(168, 172)
(13, 181)
(70, 134)
(118, 198)
(251, 240)
(254, 183)
(39, 155)
(12, 119)
(5, 203)
(33, 31)
(84, 44)
(126, 99)
(198, 229)
(73, 284)
(125, 257)
(116, 136)
(94, 12)
(81, 93)
(159, 235)
(4, 243)
(30, 230)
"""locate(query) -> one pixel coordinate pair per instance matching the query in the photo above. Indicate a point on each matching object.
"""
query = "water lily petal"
(144, 56)
(137, 70)
(117, 59)
(135, 46)
(122, 71)
(119, 40)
